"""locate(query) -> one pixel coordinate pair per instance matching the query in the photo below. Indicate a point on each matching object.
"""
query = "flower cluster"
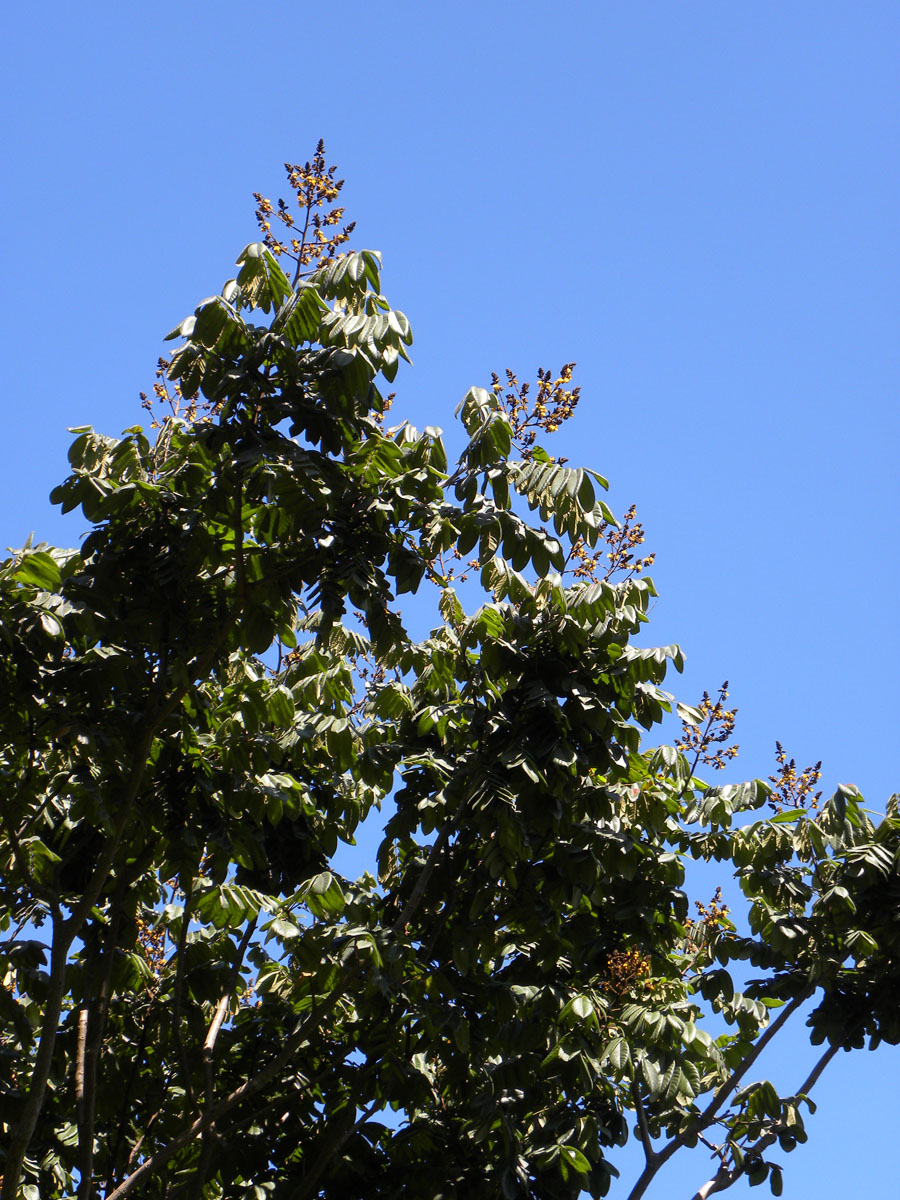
(716, 726)
(152, 940)
(625, 969)
(170, 397)
(700, 934)
(793, 790)
(309, 241)
(616, 553)
(545, 407)
(715, 914)
(308, 236)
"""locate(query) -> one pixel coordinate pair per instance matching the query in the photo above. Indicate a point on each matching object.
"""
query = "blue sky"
(696, 201)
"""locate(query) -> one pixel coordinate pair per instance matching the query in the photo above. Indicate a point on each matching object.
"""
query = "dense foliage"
(204, 701)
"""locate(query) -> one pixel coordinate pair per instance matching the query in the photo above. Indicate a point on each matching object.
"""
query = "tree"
(211, 694)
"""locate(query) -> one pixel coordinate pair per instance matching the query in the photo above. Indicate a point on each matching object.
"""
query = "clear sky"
(695, 200)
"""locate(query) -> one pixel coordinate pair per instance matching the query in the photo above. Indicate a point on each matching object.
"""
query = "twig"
(247, 1089)
(209, 1043)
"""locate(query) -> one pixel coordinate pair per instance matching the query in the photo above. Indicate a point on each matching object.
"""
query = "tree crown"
(209, 696)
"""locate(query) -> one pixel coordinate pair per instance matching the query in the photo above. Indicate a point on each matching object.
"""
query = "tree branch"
(209, 1045)
(706, 1118)
(177, 995)
(246, 1090)
(725, 1090)
(643, 1126)
(725, 1177)
(225, 1105)
(85, 1140)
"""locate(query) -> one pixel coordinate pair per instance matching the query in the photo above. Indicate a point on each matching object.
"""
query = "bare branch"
(425, 874)
(813, 1077)
(209, 1045)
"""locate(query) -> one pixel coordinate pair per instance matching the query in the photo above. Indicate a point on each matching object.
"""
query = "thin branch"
(724, 1091)
(13, 937)
(725, 1177)
(706, 1118)
(209, 1082)
(309, 208)
(643, 1126)
(246, 1090)
(431, 862)
(137, 1059)
(225, 1105)
(209, 1045)
(813, 1077)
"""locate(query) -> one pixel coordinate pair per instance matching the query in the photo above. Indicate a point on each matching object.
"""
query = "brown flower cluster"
(308, 236)
(616, 554)
(793, 790)
(625, 969)
(713, 915)
(545, 406)
(309, 241)
(716, 728)
(168, 396)
(152, 940)
(386, 407)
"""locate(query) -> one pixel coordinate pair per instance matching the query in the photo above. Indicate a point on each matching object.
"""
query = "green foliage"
(203, 702)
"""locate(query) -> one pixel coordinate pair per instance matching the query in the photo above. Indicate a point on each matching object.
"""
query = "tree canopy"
(204, 701)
